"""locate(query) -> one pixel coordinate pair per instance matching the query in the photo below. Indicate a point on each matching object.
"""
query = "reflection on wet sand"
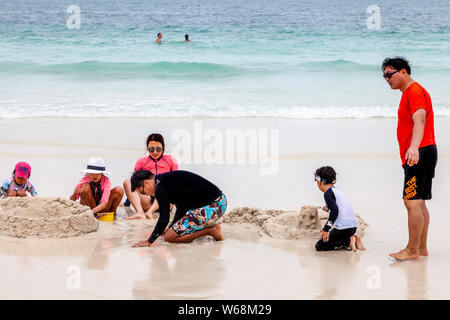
(416, 277)
(247, 265)
(343, 272)
(182, 271)
(330, 273)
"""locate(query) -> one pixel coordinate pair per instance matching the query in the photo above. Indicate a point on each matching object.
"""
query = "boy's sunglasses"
(152, 149)
(389, 75)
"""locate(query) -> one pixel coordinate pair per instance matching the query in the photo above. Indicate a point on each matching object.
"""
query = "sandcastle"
(303, 224)
(45, 218)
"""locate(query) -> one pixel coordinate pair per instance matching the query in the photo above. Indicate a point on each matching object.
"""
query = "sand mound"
(303, 224)
(45, 218)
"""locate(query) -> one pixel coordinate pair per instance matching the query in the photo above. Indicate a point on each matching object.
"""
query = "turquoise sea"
(259, 58)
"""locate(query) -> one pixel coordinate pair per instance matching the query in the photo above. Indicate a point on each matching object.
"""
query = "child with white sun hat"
(94, 189)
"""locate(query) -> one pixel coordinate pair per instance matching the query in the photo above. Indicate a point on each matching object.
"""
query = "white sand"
(304, 224)
(363, 152)
(45, 217)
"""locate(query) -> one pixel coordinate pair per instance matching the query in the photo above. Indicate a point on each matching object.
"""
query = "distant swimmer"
(159, 37)
(186, 38)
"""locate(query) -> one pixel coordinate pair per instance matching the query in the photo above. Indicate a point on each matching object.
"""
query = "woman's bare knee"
(127, 186)
(146, 202)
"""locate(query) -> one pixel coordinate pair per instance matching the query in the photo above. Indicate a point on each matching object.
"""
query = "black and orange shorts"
(418, 178)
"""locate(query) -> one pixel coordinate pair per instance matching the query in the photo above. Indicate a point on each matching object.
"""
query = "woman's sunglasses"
(152, 149)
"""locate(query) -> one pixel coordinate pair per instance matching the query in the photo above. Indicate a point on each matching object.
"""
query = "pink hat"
(23, 170)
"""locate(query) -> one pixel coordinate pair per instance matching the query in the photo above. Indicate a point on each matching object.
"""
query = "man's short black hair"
(398, 63)
(138, 177)
(326, 175)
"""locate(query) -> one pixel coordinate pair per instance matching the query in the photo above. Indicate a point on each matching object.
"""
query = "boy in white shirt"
(342, 217)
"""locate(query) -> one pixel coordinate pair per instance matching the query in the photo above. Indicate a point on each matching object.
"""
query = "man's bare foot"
(404, 254)
(423, 252)
(216, 232)
(136, 216)
(359, 244)
(353, 243)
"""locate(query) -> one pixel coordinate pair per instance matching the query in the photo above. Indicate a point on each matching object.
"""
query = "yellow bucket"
(105, 216)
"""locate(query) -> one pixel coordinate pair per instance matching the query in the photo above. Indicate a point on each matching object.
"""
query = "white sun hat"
(96, 165)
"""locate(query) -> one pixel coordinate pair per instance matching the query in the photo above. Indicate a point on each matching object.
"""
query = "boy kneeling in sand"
(342, 217)
(94, 189)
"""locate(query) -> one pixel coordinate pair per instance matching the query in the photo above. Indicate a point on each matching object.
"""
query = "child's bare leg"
(114, 199)
(359, 244)
(86, 196)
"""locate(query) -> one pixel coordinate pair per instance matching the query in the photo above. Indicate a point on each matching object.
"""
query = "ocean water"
(259, 58)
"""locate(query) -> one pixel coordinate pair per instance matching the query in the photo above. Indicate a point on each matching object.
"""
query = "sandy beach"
(248, 264)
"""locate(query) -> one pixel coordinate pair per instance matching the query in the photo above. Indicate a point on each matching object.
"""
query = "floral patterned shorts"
(201, 218)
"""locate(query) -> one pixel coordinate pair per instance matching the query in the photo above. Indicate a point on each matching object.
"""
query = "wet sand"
(248, 264)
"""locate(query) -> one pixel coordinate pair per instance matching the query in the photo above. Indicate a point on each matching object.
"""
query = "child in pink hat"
(18, 185)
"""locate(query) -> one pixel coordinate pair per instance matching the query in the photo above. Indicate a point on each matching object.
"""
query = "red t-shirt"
(414, 98)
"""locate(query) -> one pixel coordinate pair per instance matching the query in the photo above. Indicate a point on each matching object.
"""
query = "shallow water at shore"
(253, 59)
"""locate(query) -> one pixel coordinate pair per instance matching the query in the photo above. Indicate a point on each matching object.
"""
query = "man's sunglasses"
(152, 149)
(389, 75)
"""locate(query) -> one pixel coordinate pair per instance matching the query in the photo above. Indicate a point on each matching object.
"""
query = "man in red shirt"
(415, 135)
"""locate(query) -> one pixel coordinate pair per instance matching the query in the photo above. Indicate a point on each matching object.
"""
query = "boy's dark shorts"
(418, 178)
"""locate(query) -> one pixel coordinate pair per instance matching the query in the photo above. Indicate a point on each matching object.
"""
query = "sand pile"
(303, 224)
(45, 218)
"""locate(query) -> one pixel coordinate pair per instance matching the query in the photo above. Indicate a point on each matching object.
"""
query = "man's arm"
(164, 213)
(412, 154)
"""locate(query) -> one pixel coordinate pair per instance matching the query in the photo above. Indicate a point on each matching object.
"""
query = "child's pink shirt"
(105, 184)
